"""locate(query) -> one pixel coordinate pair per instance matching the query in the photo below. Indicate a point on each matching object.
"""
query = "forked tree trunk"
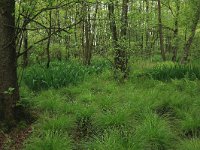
(89, 31)
(9, 93)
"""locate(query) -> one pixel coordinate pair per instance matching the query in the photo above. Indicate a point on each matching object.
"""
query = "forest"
(99, 74)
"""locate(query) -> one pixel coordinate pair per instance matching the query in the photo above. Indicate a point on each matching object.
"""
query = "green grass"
(99, 113)
(60, 74)
(168, 70)
(153, 133)
(49, 141)
(191, 144)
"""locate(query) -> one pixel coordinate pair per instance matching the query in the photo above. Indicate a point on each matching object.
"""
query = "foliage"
(192, 144)
(100, 114)
(49, 141)
(168, 71)
(60, 74)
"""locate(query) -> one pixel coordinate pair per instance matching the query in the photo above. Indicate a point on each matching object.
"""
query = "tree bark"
(113, 26)
(160, 30)
(49, 40)
(120, 59)
(89, 31)
(25, 55)
(176, 30)
(121, 55)
(86, 34)
(87, 51)
(148, 49)
(9, 92)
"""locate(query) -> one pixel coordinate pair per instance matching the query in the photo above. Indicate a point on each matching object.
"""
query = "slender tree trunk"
(87, 41)
(58, 51)
(176, 30)
(175, 44)
(75, 29)
(113, 26)
(89, 35)
(85, 34)
(83, 37)
(25, 55)
(49, 40)
(160, 30)
(9, 93)
(93, 29)
(68, 39)
(122, 60)
(148, 49)
(67, 47)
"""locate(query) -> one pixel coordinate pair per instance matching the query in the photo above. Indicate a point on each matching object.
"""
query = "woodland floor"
(140, 114)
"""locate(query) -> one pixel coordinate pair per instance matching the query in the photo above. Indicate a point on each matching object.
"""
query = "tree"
(176, 30)
(87, 53)
(25, 40)
(49, 39)
(193, 27)
(144, 28)
(121, 61)
(9, 93)
(161, 31)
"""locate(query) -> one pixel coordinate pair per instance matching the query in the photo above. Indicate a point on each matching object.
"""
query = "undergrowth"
(60, 74)
(99, 113)
(168, 70)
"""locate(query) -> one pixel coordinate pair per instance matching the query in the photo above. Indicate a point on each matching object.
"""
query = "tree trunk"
(160, 30)
(176, 30)
(25, 55)
(86, 33)
(148, 49)
(87, 51)
(89, 33)
(9, 93)
(49, 40)
(113, 26)
(93, 29)
(121, 55)
(121, 60)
